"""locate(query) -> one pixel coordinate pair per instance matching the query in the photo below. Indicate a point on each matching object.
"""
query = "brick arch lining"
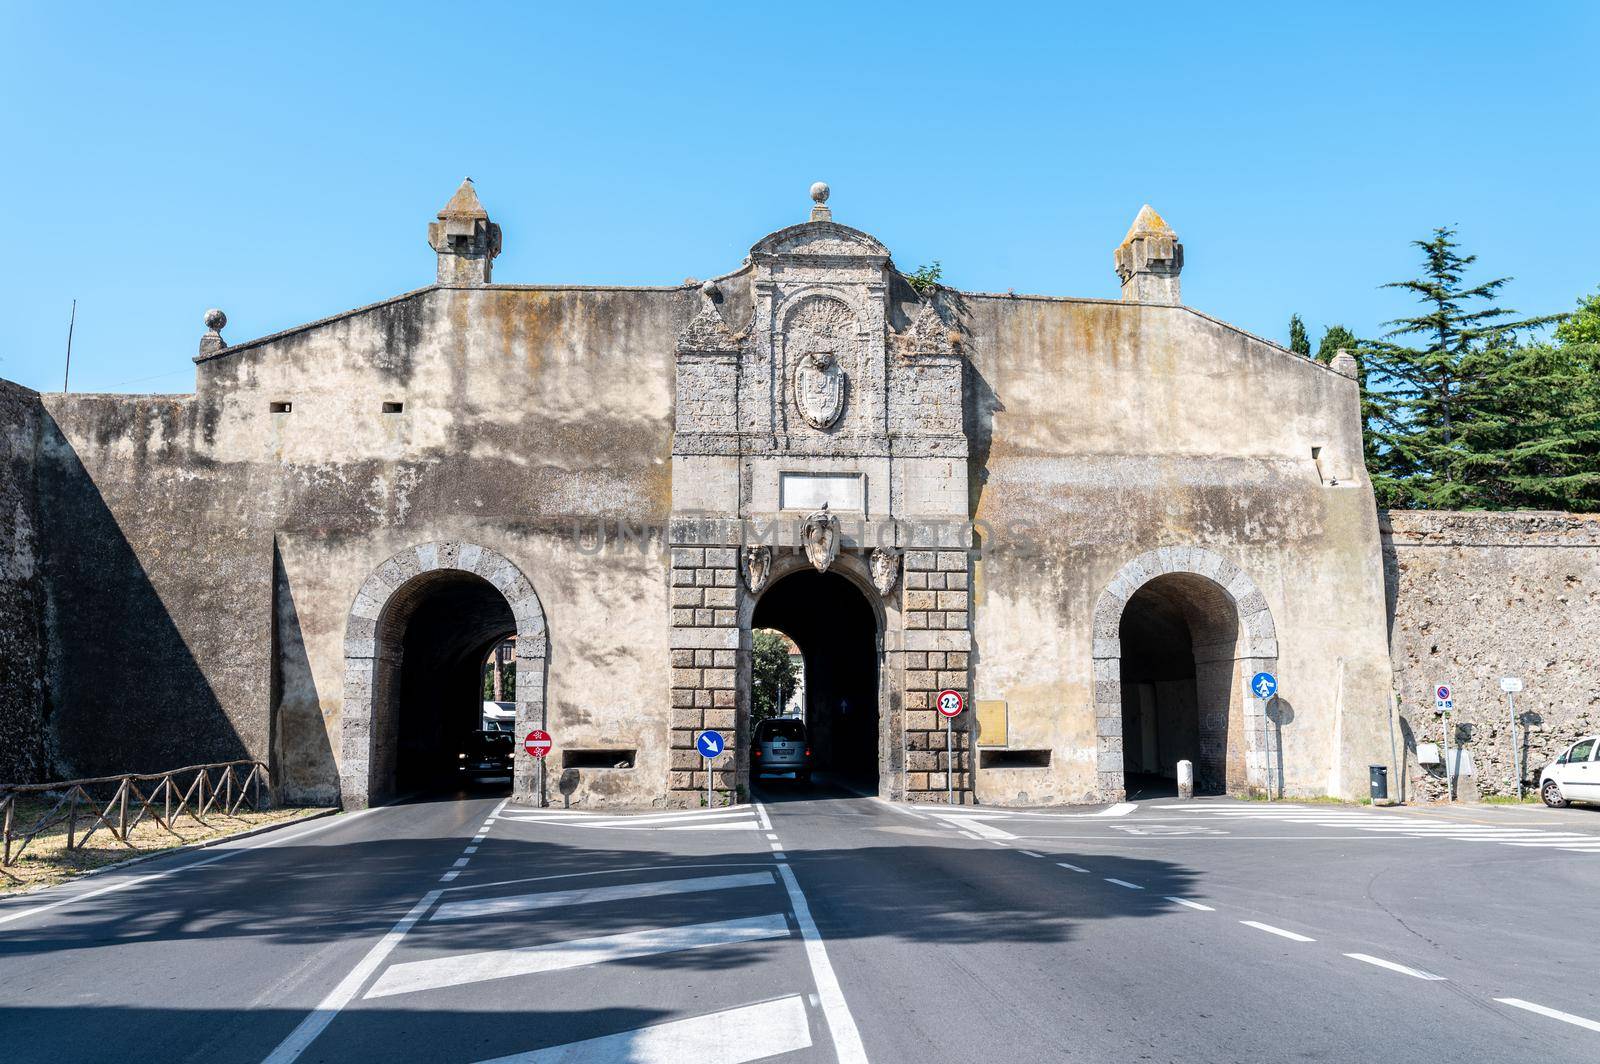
(373, 629)
(1230, 622)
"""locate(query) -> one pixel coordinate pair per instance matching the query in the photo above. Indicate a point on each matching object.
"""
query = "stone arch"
(377, 618)
(852, 565)
(1229, 616)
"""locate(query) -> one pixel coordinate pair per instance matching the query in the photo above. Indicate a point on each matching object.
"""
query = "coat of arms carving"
(822, 330)
(820, 537)
(757, 568)
(885, 565)
(819, 388)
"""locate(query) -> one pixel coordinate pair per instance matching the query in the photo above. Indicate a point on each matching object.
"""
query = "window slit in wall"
(280, 407)
(393, 408)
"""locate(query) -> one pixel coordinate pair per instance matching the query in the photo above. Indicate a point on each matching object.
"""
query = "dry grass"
(47, 860)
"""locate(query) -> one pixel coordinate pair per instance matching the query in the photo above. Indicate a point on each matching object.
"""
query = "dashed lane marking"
(1191, 904)
(1071, 867)
(732, 1036)
(1124, 883)
(1415, 973)
(1269, 929)
(1554, 1014)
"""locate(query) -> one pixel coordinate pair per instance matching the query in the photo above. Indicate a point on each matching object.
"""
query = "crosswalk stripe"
(560, 956)
(636, 821)
(556, 899)
(732, 1036)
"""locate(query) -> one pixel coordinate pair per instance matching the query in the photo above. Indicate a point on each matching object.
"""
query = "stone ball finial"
(820, 192)
(215, 320)
(711, 290)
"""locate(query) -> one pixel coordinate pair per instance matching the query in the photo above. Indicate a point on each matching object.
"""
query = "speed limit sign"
(950, 703)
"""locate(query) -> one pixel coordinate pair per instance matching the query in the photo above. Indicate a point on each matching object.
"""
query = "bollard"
(1185, 779)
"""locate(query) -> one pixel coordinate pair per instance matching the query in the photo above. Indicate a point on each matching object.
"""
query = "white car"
(1574, 776)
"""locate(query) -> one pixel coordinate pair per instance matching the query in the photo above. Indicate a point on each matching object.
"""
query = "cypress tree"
(1299, 342)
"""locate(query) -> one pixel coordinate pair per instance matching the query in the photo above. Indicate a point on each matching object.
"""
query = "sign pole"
(1449, 769)
(1511, 701)
(949, 763)
(710, 772)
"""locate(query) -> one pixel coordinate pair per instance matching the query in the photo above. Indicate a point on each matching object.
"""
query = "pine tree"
(1434, 392)
(1532, 437)
(1299, 342)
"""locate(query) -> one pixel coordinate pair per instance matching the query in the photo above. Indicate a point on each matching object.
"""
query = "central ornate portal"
(819, 428)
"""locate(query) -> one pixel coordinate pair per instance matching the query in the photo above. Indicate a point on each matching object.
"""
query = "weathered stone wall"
(23, 708)
(1101, 431)
(209, 549)
(1474, 597)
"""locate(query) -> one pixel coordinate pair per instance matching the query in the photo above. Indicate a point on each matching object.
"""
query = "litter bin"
(1378, 782)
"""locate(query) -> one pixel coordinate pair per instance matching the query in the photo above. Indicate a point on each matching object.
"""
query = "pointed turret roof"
(464, 204)
(1145, 222)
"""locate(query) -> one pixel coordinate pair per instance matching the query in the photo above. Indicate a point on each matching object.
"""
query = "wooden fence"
(220, 789)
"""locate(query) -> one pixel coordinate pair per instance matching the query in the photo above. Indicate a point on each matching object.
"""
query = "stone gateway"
(1095, 519)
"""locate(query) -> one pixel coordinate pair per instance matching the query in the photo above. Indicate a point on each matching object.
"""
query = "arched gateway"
(446, 603)
(1200, 628)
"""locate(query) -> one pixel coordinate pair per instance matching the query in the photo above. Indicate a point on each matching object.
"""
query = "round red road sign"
(950, 703)
(538, 743)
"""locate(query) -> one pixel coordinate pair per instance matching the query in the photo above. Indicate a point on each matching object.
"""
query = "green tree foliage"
(1334, 339)
(1530, 428)
(774, 674)
(1299, 342)
(1425, 398)
(925, 278)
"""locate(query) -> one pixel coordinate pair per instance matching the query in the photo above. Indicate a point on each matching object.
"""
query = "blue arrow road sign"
(1264, 684)
(710, 743)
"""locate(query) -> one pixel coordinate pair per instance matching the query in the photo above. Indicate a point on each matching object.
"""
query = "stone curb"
(173, 852)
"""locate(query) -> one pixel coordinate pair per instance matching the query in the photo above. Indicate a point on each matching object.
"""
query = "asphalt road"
(818, 925)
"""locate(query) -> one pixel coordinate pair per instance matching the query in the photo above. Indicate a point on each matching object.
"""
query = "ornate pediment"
(822, 240)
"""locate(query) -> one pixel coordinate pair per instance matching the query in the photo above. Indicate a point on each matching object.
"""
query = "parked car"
(781, 748)
(485, 753)
(1574, 776)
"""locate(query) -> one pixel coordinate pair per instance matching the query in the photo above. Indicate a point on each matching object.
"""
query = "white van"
(1574, 776)
(500, 716)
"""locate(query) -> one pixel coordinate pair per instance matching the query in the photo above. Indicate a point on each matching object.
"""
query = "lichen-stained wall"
(1474, 597)
(1103, 430)
(22, 693)
(200, 610)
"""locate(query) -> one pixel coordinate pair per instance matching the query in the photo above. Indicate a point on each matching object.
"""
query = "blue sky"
(282, 161)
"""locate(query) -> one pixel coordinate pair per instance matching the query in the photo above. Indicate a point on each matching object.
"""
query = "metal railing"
(219, 789)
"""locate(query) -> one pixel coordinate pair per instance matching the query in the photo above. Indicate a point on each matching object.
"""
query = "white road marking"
(461, 862)
(1124, 883)
(977, 827)
(1192, 904)
(450, 875)
(1030, 853)
(1396, 826)
(968, 834)
(762, 818)
(743, 825)
(847, 1045)
(273, 839)
(556, 899)
(1269, 929)
(1072, 867)
(732, 1036)
(470, 849)
(1554, 1014)
(459, 970)
(1415, 973)
(302, 1036)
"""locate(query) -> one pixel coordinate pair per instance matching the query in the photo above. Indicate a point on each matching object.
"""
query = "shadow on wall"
(127, 693)
(303, 765)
